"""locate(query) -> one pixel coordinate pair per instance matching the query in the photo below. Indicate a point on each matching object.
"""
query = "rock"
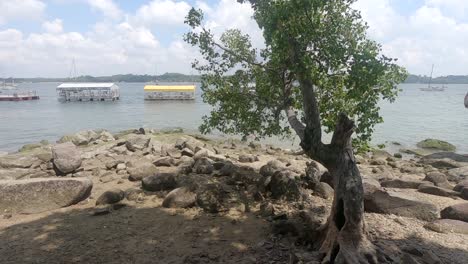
(380, 154)
(121, 166)
(247, 158)
(106, 136)
(430, 258)
(44, 155)
(228, 169)
(137, 142)
(436, 144)
(174, 153)
(324, 190)
(458, 174)
(42, 194)
(464, 193)
(189, 142)
(418, 152)
(459, 187)
(456, 212)
(271, 167)
(211, 197)
(160, 182)
(133, 194)
(408, 259)
(29, 147)
(112, 164)
(434, 190)
(398, 155)
(448, 155)
(108, 177)
(203, 166)
(17, 161)
(398, 183)
(110, 197)
(140, 169)
(399, 204)
(283, 184)
(164, 162)
(439, 179)
(66, 157)
(448, 226)
(180, 198)
(187, 152)
(378, 162)
(370, 185)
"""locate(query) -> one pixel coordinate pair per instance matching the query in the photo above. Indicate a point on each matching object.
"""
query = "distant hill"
(179, 77)
(450, 79)
(167, 77)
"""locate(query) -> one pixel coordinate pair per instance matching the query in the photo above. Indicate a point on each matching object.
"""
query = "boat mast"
(430, 79)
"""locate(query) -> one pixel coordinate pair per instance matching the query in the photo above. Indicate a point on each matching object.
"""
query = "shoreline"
(136, 196)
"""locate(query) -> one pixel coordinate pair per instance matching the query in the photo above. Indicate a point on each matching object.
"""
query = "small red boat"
(26, 96)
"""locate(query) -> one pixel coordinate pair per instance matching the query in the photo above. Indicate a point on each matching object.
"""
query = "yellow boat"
(169, 92)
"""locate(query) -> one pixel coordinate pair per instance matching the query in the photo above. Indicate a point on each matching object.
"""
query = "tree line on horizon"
(179, 77)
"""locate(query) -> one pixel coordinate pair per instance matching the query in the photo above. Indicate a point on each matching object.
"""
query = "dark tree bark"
(343, 238)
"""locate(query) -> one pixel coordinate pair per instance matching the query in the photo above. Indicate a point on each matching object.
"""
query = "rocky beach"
(150, 196)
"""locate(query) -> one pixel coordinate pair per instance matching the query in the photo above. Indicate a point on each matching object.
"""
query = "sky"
(40, 38)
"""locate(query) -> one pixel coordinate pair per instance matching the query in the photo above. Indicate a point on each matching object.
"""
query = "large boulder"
(456, 212)
(399, 204)
(66, 157)
(163, 181)
(188, 142)
(271, 167)
(436, 144)
(447, 160)
(448, 226)
(438, 179)
(42, 194)
(17, 161)
(399, 183)
(137, 142)
(81, 138)
(203, 166)
(212, 197)
(434, 190)
(110, 197)
(284, 185)
(461, 185)
(180, 198)
(458, 174)
(140, 169)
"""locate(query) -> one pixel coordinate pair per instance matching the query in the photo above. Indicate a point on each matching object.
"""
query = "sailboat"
(9, 86)
(430, 88)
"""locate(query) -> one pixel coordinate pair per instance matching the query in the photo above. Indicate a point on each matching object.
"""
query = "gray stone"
(17, 161)
(458, 174)
(378, 162)
(180, 198)
(159, 182)
(283, 184)
(247, 158)
(271, 167)
(137, 142)
(228, 169)
(456, 212)
(448, 155)
(39, 195)
(29, 147)
(140, 169)
(461, 185)
(399, 204)
(164, 162)
(66, 157)
(403, 184)
(187, 152)
(439, 179)
(324, 190)
(211, 197)
(110, 197)
(436, 144)
(448, 226)
(106, 136)
(203, 166)
(174, 153)
(434, 190)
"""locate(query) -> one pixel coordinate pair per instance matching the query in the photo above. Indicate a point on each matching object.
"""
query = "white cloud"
(55, 26)
(427, 36)
(165, 12)
(20, 10)
(457, 8)
(107, 7)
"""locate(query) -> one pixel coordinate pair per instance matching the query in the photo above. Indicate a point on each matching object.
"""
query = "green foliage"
(323, 41)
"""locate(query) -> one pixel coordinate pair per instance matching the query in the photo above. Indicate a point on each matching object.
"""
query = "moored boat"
(19, 96)
(466, 100)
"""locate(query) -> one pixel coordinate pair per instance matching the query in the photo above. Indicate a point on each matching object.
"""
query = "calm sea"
(414, 116)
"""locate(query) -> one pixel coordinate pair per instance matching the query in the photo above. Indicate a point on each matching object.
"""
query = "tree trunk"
(343, 238)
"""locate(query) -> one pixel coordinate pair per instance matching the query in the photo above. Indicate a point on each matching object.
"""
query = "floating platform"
(169, 92)
(86, 92)
(19, 96)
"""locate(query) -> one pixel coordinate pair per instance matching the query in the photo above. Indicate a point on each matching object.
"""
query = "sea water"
(414, 116)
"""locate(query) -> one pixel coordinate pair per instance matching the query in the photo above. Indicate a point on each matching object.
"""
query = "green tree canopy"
(322, 41)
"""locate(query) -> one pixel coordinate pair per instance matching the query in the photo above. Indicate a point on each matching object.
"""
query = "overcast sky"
(41, 37)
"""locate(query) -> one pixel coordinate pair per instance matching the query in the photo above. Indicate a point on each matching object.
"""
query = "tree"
(317, 68)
